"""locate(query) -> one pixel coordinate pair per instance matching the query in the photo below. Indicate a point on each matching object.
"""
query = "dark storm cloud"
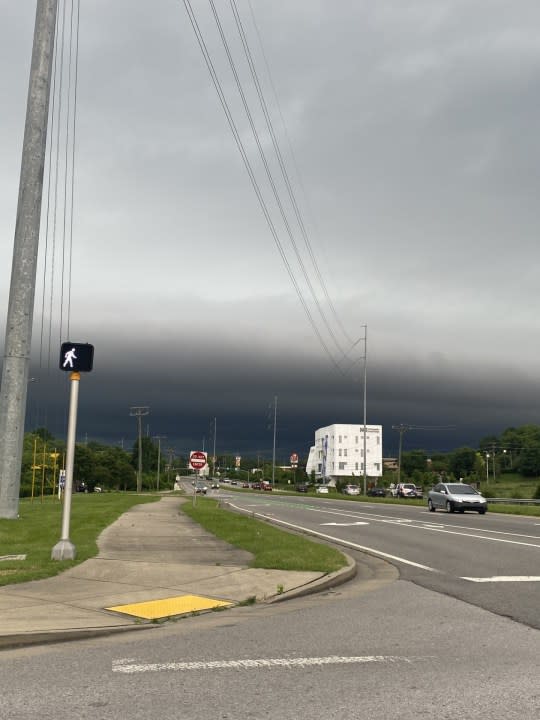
(414, 127)
(185, 392)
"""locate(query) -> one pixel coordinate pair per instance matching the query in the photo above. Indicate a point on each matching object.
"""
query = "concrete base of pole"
(63, 550)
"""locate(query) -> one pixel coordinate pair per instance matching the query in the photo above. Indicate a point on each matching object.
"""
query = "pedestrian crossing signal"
(76, 357)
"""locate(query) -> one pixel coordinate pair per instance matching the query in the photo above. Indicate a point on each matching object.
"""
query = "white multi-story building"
(339, 452)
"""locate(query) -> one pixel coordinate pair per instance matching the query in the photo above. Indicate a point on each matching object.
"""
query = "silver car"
(456, 496)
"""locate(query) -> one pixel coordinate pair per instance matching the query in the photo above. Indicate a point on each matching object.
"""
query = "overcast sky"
(415, 153)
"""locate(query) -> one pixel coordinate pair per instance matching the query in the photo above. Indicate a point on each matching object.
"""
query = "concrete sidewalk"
(151, 553)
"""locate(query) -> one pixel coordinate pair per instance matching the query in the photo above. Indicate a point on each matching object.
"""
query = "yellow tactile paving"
(168, 607)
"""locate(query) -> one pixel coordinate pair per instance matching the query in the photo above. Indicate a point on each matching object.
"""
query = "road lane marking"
(129, 667)
(504, 578)
(468, 532)
(346, 524)
(341, 541)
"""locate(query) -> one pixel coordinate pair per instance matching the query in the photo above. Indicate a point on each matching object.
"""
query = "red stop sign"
(197, 460)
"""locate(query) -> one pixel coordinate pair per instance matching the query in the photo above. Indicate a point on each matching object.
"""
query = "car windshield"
(461, 489)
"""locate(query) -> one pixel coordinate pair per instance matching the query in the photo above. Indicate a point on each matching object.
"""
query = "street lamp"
(487, 468)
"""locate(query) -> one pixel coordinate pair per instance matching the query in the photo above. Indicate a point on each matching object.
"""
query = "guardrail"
(514, 501)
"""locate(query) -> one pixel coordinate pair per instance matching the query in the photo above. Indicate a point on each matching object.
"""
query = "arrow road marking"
(341, 541)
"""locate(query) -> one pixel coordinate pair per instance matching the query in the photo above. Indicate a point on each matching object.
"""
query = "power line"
(281, 163)
(255, 185)
(295, 163)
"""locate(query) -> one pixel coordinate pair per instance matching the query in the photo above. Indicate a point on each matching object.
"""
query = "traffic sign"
(76, 357)
(197, 459)
(294, 459)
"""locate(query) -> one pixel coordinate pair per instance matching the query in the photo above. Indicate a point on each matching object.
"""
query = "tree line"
(515, 450)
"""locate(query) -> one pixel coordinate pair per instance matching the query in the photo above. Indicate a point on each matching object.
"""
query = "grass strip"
(272, 548)
(39, 527)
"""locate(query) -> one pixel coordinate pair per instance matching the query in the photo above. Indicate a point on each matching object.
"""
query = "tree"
(462, 462)
(413, 460)
(529, 463)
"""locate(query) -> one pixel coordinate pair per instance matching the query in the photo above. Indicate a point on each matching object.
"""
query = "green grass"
(39, 526)
(272, 548)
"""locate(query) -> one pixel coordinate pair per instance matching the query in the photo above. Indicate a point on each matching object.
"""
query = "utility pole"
(18, 340)
(274, 447)
(139, 413)
(365, 408)
(404, 428)
(170, 452)
(159, 438)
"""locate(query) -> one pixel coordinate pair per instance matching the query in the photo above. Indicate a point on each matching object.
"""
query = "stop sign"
(197, 459)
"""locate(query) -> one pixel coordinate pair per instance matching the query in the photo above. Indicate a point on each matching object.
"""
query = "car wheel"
(449, 506)
(431, 506)
(461, 510)
(482, 511)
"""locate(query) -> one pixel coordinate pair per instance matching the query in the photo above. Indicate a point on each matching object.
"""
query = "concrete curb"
(325, 583)
(20, 640)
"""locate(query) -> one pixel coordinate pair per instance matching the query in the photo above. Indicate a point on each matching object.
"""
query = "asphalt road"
(491, 560)
(394, 651)
(384, 645)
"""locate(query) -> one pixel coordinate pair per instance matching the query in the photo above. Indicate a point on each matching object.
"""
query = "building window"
(345, 452)
(356, 466)
(356, 440)
(339, 452)
(377, 466)
(378, 439)
(339, 439)
(342, 465)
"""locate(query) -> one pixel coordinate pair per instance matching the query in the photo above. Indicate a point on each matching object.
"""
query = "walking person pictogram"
(69, 357)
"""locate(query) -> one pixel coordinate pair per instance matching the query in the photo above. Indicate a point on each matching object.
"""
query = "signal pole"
(139, 413)
(25, 254)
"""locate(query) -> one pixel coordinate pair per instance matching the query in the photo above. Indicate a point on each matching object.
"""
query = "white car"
(322, 489)
(351, 490)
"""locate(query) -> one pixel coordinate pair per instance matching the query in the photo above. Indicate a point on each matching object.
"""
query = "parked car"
(376, 491)
(302, 487)
(351, 490)
(408, 490)
(256, 486)
(322, 489)
(456, 496)
(266, 486)
(245, 484)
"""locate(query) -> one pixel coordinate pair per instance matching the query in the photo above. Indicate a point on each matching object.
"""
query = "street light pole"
(365, 408)
(274, 447)
(214, 455)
